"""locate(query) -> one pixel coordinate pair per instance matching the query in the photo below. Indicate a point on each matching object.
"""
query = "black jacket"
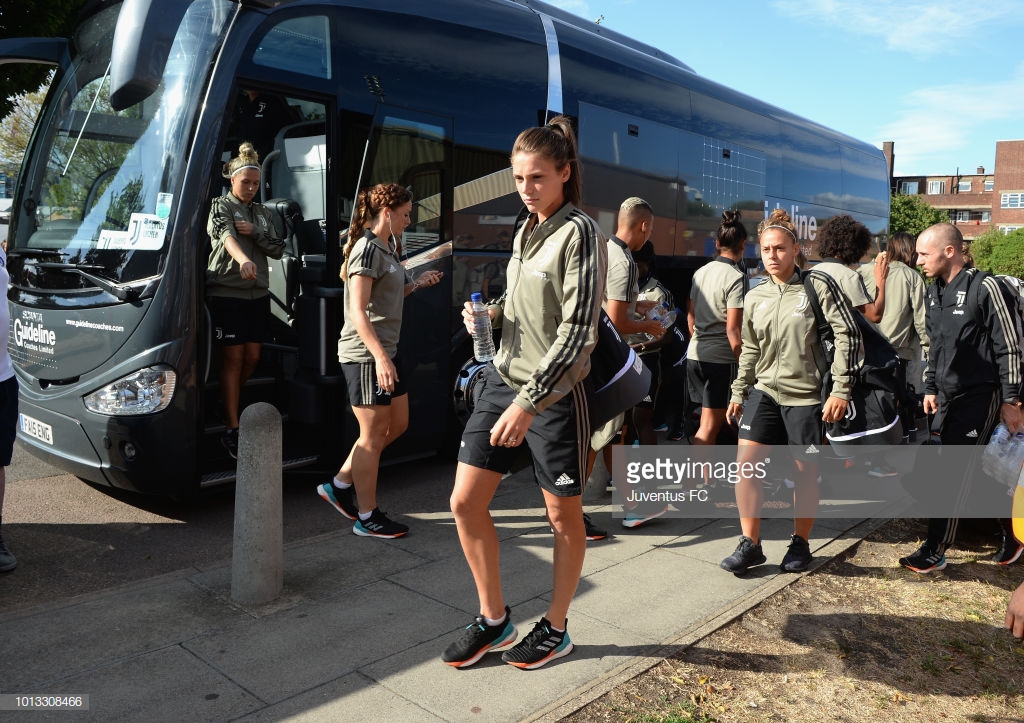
(972, 349)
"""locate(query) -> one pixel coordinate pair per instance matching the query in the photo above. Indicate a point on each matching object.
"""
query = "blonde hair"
(556, 142)
(247, 158)
(369, 205)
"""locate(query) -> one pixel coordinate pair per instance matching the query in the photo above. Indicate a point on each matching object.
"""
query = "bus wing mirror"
(142, 41)
(48, 51)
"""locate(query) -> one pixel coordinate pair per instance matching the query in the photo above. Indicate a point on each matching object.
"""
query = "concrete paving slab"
(165, 684)
(56, 643)
(292, 652)
(494, 691)
(352, 697)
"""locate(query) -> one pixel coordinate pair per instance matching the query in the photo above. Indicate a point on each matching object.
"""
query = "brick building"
(976, 201)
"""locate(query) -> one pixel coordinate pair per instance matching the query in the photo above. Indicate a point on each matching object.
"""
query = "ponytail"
(555, 141)
(369, 204)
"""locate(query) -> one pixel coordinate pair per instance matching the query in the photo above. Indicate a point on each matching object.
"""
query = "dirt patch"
(859, 639)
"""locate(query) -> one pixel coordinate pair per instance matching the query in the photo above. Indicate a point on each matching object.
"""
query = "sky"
(943, 80)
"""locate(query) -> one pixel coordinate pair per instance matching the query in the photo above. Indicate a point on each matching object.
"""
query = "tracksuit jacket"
(781, 353)
(549, 312)
(972, 349)
(222, 271)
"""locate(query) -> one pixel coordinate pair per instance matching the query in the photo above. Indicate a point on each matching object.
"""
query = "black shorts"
(238, 321)
(653, 363)
(558, 438)
(361, 379)
(767, 422)
(8, 419)
(709, 383)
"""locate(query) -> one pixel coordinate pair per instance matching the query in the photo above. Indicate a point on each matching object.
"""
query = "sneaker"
(924, 560)
(230, 441)
(379, 526)
(641, 514)
(539, 648)
(883, 470)
(798, 556)
(1009, 552)
(660, 428)
(344, 501)
(478, 638)
(675, 435)
(593, 531)
(746, 556)
(7, 559)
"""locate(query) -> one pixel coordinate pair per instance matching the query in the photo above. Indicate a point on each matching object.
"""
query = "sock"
(556, 630)
(364, 516)
(493, 622)
(338, 484)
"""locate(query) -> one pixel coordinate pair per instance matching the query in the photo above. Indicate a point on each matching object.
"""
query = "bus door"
(414, 150)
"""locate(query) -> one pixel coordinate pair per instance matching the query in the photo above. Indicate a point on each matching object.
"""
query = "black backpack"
(872, 417)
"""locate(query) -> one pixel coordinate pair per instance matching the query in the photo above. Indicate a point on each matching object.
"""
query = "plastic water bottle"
(1003, 458)
(663, 315)
(483, 339)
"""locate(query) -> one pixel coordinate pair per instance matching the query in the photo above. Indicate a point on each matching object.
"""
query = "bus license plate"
(35, 428)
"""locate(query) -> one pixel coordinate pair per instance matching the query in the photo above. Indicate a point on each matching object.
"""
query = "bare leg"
(365, 454)
(749, 491)
(805, 497)
(566, 516)
(397, 426)
(470, 502)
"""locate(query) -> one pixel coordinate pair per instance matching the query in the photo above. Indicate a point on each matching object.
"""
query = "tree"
(999, 253)
(32, 18)
(913, 214)
(17, 127)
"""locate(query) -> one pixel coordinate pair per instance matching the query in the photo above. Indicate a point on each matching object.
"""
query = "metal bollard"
(257, 557)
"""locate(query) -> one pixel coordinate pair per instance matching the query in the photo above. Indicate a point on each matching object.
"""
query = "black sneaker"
(924, 560)
(7, 559)
(674, 435)
(593, 531)
(748, 553)
(478, 638)
(344, 501)
(230, 441)
(539, 648)
(1009, 552)
(379, 526)
(798, 556)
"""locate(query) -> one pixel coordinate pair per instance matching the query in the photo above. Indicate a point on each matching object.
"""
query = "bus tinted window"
(299, 45)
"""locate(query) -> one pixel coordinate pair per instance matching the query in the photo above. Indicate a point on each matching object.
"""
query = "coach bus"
(107, 245)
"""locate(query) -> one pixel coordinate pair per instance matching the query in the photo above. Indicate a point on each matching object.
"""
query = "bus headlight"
(146, 391)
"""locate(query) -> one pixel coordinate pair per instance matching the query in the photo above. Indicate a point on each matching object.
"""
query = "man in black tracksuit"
(973, 377)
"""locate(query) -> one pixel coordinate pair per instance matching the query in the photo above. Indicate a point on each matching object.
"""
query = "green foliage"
(999, 253)
(913, 214)
(32, 19)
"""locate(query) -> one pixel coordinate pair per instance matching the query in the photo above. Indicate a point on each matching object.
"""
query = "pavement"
(358, 630)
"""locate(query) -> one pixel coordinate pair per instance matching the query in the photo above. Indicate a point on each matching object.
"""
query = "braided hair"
(369, 205)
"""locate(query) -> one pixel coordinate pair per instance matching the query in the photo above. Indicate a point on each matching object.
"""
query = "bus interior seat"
(300, 172)
(284, 284)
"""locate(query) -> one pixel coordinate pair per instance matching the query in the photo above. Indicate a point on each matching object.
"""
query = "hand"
(1015, 612)
(931, 403)
(387, 375)
(834, 409)
(734, 413)
(467, 316)
(244, 227)
(247, 270)
(654, 328)
(510, 429)
(881, 268)
(428, 278)
(1011, 416)
(645, 305)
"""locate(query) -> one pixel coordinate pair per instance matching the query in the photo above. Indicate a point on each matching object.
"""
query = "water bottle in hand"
(663, 315)
(1003, 458)
(483, 339)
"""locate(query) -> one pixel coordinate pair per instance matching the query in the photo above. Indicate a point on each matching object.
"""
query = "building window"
(986, 216)
(1012, 200)
(1008, 229)
(962, 216)
(989, 184)
(908, 188)
(936, 188)
(964, 187)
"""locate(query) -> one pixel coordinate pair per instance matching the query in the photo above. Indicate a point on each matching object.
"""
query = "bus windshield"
(100, 184)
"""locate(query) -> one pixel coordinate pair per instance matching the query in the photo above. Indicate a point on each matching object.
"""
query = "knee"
(465, 507)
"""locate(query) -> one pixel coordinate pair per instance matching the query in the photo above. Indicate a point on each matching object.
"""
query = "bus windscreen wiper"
(124, 293)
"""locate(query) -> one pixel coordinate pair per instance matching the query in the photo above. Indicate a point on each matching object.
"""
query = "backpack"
(872, 416)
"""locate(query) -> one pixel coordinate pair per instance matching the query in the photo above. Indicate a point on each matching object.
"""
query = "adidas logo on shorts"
(811, 450)
(973, 434)
(563, 480)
